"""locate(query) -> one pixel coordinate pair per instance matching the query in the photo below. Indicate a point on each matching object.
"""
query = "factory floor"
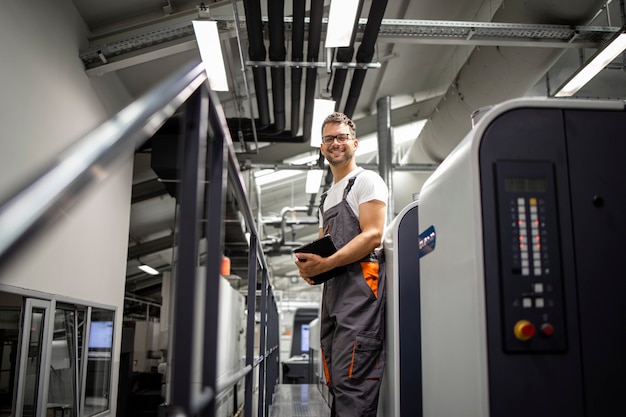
(298, 400)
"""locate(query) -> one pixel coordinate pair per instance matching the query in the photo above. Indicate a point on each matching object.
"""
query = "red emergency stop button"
(524, 330)
(547, 329)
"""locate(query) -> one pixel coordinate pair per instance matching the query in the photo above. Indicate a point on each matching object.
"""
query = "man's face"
(336, 152)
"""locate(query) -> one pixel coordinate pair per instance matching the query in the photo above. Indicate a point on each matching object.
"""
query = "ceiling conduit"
(276, 20)
(365, 53)
(385, 147)
(235, 125)
(315, 36)
(513, 72)
(245, 126)
(297, 55)
(257, 52)
(345, 55)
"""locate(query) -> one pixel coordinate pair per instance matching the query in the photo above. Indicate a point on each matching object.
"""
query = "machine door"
(596, 150)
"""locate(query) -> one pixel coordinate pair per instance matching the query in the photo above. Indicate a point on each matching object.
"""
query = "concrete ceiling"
(439, 60)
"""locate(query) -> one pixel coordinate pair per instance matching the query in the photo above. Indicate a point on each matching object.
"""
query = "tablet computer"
(323, 247)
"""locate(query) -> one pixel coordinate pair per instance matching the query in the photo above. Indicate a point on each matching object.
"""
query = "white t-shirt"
(368, 186)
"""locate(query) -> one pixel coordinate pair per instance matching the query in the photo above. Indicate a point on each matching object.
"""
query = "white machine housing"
(520, 314)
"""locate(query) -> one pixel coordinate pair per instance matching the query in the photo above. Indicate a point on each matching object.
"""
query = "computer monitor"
(101, 335)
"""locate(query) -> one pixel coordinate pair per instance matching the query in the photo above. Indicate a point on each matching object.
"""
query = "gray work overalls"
(352, 320)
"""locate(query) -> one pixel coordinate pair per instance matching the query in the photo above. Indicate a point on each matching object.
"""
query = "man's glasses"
(341, 138)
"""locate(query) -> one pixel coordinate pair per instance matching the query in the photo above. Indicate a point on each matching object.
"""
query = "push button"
(547, 329)
(524, 330)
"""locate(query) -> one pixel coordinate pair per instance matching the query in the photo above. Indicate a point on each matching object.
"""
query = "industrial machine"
(401, 389)
(520, 241)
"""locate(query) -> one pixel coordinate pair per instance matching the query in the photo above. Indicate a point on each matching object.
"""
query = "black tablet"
(323, 247)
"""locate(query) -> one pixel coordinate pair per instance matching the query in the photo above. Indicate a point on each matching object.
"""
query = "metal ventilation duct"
(297, 55)
(257, 52)
(315, 37)
(513, 71)
(277, 54)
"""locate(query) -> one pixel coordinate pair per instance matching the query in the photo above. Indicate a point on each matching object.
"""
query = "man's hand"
(310, 264)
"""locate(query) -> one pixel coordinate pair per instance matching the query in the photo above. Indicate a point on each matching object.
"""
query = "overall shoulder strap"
(349, 186)
(322, 199)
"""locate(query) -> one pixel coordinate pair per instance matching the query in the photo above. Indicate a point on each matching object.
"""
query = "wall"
(48, 103)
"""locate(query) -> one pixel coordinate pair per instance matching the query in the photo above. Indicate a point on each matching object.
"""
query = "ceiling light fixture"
(313, 180)
(402, 134)
(304, 159)
(208, 39)
(597, 62)
(339, 30)
(148, 269)
(271, 176)
(321, 109)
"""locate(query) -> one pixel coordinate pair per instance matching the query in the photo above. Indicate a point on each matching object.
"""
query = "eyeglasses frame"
(336, 138)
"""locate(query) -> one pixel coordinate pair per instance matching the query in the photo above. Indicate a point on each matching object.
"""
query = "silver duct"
(514, 71)
(385, 147)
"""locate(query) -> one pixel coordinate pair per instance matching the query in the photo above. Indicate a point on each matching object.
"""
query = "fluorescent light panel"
(148, 269)
(304, 159)
(341, 22)
(321, 109)
(401, 134)
(265, 178)
(601, 60)
(208, 39)
(313, 180)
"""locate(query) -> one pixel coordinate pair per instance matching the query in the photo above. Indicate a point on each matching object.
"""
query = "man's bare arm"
(372, 223)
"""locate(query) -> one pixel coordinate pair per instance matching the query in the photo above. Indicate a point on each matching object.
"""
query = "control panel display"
(530, 276)
(525, 185)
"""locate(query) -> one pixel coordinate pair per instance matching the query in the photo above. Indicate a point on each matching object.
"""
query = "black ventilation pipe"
(315, 36)
(244, 126)
(339, 78)
(345, 55)
(276, 23)
(257, 52)
(365, 53)
(297, 55)
(238, 126)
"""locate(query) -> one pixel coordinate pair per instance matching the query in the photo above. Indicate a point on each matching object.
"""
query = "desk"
(58, 410)
(296, 370)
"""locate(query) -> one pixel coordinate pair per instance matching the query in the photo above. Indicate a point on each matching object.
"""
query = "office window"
(62, 399)
(99, 355)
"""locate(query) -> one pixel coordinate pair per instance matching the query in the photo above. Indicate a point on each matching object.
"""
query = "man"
(353, 212)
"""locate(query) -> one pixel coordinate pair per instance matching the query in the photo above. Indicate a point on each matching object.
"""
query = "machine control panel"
(530, 274)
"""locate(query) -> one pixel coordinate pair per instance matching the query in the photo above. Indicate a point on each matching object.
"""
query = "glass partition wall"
(55, 358)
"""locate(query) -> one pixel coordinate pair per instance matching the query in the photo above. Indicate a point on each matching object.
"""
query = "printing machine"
(505, 279)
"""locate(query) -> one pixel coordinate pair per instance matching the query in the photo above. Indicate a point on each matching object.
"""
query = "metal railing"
(207, 150)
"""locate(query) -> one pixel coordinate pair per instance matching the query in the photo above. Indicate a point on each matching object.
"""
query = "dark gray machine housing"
(572, 161)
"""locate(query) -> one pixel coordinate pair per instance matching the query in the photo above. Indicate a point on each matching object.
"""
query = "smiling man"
(353, 213)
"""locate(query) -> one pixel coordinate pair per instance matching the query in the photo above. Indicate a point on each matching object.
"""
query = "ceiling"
(434, 60)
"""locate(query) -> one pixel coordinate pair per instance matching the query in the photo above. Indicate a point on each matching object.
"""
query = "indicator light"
(547, 329)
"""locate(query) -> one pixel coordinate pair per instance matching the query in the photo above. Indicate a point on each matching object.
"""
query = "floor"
(298, 400)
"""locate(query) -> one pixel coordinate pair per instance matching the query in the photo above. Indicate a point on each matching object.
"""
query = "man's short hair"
(337, 117)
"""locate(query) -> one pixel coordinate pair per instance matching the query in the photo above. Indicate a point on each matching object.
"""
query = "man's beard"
(342, 159)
